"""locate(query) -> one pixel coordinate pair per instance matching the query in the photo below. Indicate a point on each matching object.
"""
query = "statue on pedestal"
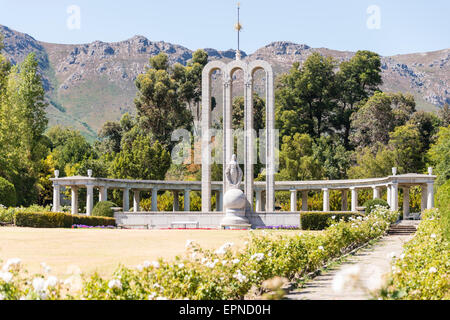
(234, 200)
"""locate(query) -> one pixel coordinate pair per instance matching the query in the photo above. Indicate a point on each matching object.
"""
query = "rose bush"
(422, 271)
(219, 274)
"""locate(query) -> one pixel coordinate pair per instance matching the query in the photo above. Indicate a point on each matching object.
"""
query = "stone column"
(258, 204)
(176, 203)
(74, 199)
(136, 200)
(155, 199)
(126, 199)
(423, 203)
(388, 194)
(206, 143)
(270, 140)
(430, 195)
(376, 192)
(354, 203)
(219, 201)
(56, 198)
(394, 196)
(405, 202)
(89, 199)
(305, 200)
(326, 199)
(249, 140)
(187, 200)
(228, 139)
(293, 200)
(344, 200)
(103, 194)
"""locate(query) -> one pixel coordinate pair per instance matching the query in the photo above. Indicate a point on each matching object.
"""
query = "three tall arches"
(227, 71)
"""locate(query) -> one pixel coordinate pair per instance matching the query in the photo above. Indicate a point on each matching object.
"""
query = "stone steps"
(401, 229)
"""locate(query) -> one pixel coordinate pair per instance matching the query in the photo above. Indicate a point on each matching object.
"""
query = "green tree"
(403, 151)
(439, 155)
(307, 97)
(144, 159)
(159, 103)
(407, 148)
(444, 115)
(357, 80)
(427, 124)
(22, 124)
(259, 113)
(379, 116)
(333, 157)
(189, 79)
(373, 121)
(297, 159)
(69, 147)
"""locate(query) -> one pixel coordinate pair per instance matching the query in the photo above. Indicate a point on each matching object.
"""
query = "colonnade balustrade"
(392, 184)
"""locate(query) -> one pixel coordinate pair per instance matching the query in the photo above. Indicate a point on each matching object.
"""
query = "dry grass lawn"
(103, 250)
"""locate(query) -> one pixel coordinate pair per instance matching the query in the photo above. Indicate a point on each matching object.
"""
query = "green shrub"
(370, 204)
(7, 214)
(319, 220)
(58, 220)
(42, 219)
(421, 272)
(104, 209)
(7, 193)
(443, 203)
(93, 221)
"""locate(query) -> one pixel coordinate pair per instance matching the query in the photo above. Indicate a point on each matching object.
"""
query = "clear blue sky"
(405, 26)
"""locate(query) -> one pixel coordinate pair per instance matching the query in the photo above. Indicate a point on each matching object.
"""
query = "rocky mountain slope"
(89, 84)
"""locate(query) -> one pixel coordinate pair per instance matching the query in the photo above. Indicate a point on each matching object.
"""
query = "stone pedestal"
(235, 203)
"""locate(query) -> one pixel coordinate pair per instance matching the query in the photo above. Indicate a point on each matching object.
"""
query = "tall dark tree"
(158, 101)
(309, 92)
(189, 79)
(357, 80)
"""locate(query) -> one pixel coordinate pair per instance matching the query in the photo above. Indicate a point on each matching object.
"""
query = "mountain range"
(88, 84)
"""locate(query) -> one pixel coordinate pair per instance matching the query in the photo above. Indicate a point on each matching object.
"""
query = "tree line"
(334, 123)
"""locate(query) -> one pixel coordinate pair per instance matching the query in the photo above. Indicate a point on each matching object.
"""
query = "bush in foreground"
(422, 271)
(207, 274)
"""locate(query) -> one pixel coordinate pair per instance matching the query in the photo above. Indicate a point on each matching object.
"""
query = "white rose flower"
(432, 270)
(115, 283)
(13, 263)
(51, 282)
(39, 284)
(6, 276)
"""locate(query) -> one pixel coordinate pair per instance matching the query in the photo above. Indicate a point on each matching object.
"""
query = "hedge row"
(319, 220)
(58, 220)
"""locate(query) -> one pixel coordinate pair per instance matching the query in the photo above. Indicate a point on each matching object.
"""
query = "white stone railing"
(391, 183)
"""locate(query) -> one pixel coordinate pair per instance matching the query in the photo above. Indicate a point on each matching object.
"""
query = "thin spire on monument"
(238, 28)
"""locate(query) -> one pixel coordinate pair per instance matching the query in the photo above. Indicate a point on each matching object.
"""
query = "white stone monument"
(235, 201)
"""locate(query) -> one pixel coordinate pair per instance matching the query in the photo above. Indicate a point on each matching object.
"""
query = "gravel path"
(371, 260)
